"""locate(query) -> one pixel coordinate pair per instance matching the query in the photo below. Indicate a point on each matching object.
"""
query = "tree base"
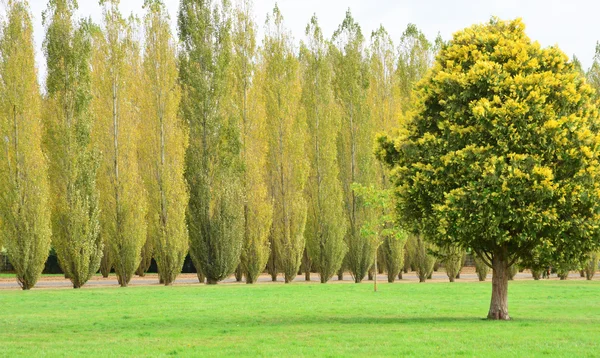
(498, 316)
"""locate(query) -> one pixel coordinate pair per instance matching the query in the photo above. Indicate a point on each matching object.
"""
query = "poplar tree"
(248, 109)
(97, 106)
(384, 105)
(215, 213)
(326, 223)
(73, 160)
(286, 132)
(117, 88)
(24, 208)
(164, 144)
(355, 143)
(415, 57)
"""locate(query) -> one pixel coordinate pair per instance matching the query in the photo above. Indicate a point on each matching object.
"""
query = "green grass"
(557, 318)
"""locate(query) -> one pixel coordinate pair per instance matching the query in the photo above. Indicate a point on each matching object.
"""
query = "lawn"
(558, 318)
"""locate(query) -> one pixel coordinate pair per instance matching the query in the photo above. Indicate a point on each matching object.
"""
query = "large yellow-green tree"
(355, 144)
(73, 160)
(116, 83)
(215, 213)
(501, 154)
(165, 140)
(286, 131)
(326, 223)
(24, 204)
(250, 113)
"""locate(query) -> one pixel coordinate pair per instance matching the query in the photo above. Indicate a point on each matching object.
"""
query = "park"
(550, 318)
(212, 178)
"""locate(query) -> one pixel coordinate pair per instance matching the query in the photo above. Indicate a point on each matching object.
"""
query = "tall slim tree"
(24, 209)
(73, 160)
(355, 144)
(116, 85)
(215, 213)
(163, 148)
(286, 131)
(415, 57)
(326, 223)
(384, 105)
(258, 210)
(98, 45)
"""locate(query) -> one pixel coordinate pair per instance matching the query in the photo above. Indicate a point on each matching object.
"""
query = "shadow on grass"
(348, 320)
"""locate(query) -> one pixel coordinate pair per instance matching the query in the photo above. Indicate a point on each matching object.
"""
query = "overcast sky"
(572, 25)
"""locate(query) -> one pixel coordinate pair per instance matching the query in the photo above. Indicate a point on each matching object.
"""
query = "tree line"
(250, 156)
(146, 145)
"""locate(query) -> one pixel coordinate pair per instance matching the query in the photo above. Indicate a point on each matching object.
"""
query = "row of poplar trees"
(146, 146)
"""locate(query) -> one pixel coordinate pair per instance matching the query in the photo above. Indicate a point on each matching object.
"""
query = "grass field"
(558, 318)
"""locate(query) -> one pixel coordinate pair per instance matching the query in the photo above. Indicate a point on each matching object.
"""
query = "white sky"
(572, 25)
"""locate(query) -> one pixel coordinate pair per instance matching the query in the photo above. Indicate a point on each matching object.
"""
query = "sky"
(572, 25)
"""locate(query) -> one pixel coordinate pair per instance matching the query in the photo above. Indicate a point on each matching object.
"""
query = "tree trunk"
(200, 276)
(122, 281)
(400, 275)
(211, 281)
(239, 274)
(499, 303)
(451, 278)
(340, 275)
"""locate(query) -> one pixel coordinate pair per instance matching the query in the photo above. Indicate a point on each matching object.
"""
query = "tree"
(73, 160)
(24, 210)
(326, 225)
(481, 268)
(591, 265)
(213, 165)
(421, 257)
(415, 57)
(385, 110)
(355, 143)
(593, 74)
(116, 86)
(97, 62)
(164, 145)
(451, 256)
(381, 229)
(246, 105)
(286, 161)
(501, 153)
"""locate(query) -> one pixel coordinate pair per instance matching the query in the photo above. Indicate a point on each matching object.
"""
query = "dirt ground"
(467, 275)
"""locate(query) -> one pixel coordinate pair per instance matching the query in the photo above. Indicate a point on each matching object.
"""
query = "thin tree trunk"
(375, 272)
(499, 302)
(201, 277)
(239, 274)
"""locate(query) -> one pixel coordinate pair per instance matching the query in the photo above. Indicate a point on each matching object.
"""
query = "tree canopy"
(501, 152)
